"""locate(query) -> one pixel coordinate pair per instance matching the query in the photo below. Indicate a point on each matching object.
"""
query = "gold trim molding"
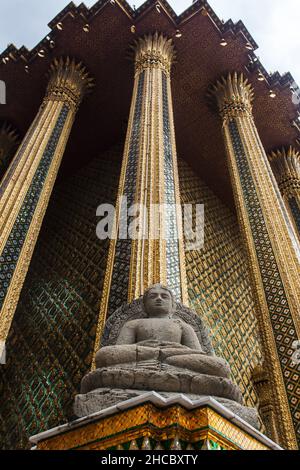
(68, 82)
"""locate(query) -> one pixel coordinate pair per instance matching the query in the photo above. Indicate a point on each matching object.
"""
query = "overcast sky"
(274, 24)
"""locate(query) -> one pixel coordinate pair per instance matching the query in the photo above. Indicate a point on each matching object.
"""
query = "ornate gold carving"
(68, 82)
(13, 176)
(234, 96)
(17, 186)
(154, 51)
(154, 55)
(286, 166)
(13, 293)
(283, 418)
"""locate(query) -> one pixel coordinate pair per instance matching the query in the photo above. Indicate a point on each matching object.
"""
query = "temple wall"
(52, 338)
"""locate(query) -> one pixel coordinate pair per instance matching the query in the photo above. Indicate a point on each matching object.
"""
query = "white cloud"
(274, 25)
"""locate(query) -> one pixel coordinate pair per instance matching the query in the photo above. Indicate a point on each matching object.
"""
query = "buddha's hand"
(152, 343)
(172, 344)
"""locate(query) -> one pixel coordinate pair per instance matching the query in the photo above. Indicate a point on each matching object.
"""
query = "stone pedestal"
(153, 421)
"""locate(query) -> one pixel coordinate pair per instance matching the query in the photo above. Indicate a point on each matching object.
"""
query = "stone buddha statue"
(156, 344)
(160, 341)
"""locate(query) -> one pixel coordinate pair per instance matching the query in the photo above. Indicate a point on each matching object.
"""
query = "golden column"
(8, 145)
(272, 248)
(27, 185)
(149, 180)
(286, 167)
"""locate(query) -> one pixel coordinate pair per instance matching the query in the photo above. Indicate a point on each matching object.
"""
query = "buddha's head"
(159, 301)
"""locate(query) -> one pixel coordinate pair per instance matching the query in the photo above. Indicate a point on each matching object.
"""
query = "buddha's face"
(158, 302)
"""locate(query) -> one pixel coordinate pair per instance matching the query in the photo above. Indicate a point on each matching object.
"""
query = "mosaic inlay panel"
(295, 211)
(280, 315)
(11, 252)
(121, 268)
(172, 247)
(50, 345)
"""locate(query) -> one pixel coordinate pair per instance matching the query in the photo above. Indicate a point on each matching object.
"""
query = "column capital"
(234, 95)
(285, 163)
(68, 81)
(154, 51)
